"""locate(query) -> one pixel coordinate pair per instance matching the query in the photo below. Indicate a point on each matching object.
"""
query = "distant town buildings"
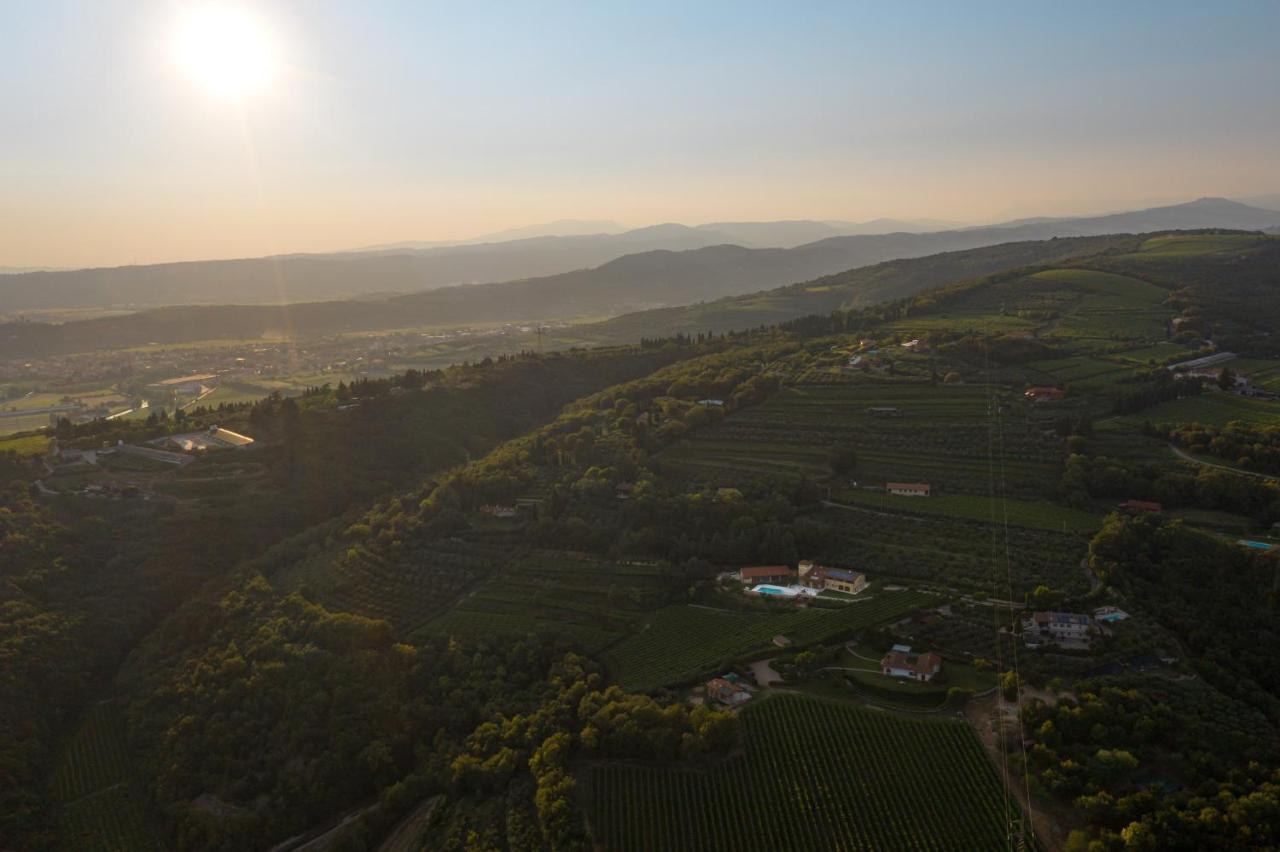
(901, 662)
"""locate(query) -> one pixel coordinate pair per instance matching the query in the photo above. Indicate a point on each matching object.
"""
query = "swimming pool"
(765, 589)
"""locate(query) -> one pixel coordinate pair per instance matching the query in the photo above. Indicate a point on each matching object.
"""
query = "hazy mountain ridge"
(308, 278)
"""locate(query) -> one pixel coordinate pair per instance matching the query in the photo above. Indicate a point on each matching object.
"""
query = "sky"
(385, 121)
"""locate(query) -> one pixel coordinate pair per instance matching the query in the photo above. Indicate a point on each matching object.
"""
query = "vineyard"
(953, 551)
(938, 434)
(815, 775)
(589, 600)
(681, 642)
(98, 807)
(406, 590)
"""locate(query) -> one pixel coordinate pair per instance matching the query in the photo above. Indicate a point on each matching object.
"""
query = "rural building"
(766, 574)
(1206, 361)
(908, 489)
(1138, 507)
(197, 384)
(1044, 394)
(213, 438)
(900, 662)
(1056, 627)
(836, 579)
(499, 510)
(711, 403)
(726, 692)
(915, 345)
(782, 641)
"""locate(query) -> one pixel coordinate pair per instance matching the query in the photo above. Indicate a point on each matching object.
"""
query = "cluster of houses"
(810, 576)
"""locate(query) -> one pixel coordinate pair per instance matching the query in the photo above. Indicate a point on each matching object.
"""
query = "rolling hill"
(585, 260)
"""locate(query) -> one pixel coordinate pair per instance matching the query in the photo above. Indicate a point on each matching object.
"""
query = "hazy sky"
(390, 121)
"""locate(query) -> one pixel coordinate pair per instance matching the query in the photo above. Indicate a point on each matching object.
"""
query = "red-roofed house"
(1044, 394)
(900, 662)
(908, 489)
(1137, 507)
(766, 574)
(726, 692)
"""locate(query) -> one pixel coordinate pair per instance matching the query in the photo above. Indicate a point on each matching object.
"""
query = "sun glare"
(225, 50)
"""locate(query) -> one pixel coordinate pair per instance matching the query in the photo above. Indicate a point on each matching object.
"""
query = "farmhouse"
(766, 574)
(1067, 627)
(1044, 394)
(1139, 507)
(900, 662)
(836, 579)
(726, 692)
(711, 403)
(908, 489)
(213, 438)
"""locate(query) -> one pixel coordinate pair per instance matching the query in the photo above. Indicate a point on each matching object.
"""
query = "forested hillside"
(498, 606)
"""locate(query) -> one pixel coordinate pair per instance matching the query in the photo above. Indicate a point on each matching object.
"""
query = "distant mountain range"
(644, 268)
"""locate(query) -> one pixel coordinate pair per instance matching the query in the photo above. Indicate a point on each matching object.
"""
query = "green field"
(1214, 408)
(815, 775)
(1034, 514)
(679, 643)
(25, 445)
(99, 807)
(591, 600)
(942, 436)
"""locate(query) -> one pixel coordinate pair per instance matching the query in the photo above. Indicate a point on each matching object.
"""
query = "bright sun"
(225, 49)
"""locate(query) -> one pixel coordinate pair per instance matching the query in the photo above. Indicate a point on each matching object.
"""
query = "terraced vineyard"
(98, 807)
(815, 775)
(408, 590)
(937, 434)
(953, 551)
(679, 643)
(588, 599)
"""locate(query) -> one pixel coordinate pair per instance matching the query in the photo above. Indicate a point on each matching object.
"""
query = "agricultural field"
(953, 551)
(1212, 407)
(407, 591)
(1033, 514)
(25, 445)
(678, 643)
(1265, 373)
(98, 807)
(815, 775)
(589, 600)
(939, 434)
